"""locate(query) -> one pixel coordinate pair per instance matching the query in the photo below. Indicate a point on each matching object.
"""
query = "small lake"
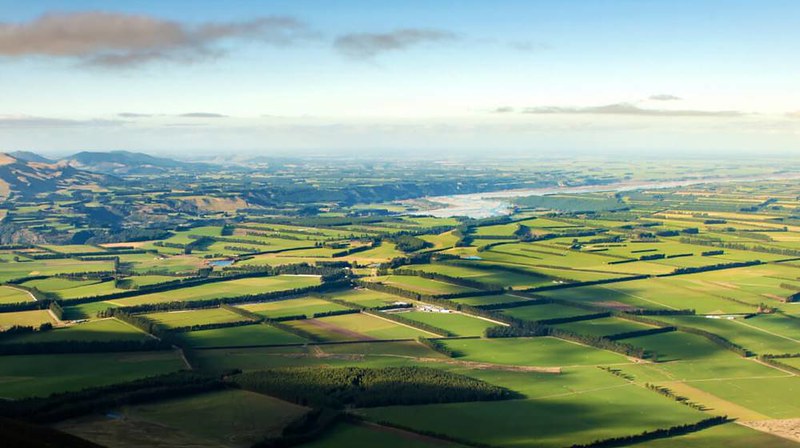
(220, 263)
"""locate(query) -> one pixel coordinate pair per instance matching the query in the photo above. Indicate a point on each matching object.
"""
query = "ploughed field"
(647, 318)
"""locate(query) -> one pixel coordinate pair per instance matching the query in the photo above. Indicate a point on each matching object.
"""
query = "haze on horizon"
(293, 77)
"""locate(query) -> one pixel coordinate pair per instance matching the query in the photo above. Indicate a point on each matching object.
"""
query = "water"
(496, 203)
(220, 263)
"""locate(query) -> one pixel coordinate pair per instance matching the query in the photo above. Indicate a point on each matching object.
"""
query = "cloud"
(202, 115)
(120, 40)
(528, 46)
(630, 109)
(503, 110)
(795, 114)
(664, 97)
(133, 115)
(29, 121)
(366, 46)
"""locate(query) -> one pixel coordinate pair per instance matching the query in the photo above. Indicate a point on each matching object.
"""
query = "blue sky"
(285, 77)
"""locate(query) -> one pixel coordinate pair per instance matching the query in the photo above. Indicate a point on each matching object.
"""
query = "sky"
(199, 78)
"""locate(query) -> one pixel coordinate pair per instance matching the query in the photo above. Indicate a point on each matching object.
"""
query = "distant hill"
(25, 178)
(126, 162)
(28, 156)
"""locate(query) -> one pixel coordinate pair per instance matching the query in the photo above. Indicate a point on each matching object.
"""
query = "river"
(496, 203)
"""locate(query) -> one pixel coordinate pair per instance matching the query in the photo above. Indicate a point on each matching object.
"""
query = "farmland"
(649, 317)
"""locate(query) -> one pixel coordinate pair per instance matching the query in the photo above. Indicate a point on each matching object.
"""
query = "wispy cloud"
(795, 114)
(202, 115)
(133, 115)
(664, 97)
(367, 46)
(528, 46)
(29, 121)
(504, 110)
(122, 40)
(630, 109)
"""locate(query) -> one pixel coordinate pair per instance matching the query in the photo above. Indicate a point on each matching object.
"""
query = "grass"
(231, 288)
(488, 300)
(259, 334)
(774, 397)
(677, 345)
(729, 435)
(421, 285)
(25, 318)
(194, 317)
(542, 352)
(486, 273)
(346, 435)
(85, 310)
(544, 311)
(603, 327)
(11, 271)
(9, 294)
(351, 327)
(229, 418)
(99, 330)
(366, 297)
(458, 324)
(40, 375)
(306, 306)
(749, 333)
(626, 409)
(653, 293)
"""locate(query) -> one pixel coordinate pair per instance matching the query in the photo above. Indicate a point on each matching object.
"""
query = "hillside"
(126, 162)
(26, 179)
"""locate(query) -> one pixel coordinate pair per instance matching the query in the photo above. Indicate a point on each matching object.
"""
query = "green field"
(603, 327)
(232, 288)
(194, 317)
(291, 224)
(260, 334)
(10, 294)
(354, 327)
(458, 324)
(228, 418)
(25, 318)
(422, 285)
(540, 352)
(306, 306)
(40, 375)
(99, 330)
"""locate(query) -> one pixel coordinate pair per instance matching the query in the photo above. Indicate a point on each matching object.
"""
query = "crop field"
(194, 317)
(231, 288)
(10, 294)
(458, 324)
(35, 375)
(302, 306)
(229, 418)
(496, 423)
(489, 275)
(488, 300)
(365, 297)
(13, 271)
(558, 311)
(603, 327)
(95, 331)
(749, 333)
(422, 285)
(260, 334)
(543, 311)
(25, 318)
(540, 352)
(356, 327)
